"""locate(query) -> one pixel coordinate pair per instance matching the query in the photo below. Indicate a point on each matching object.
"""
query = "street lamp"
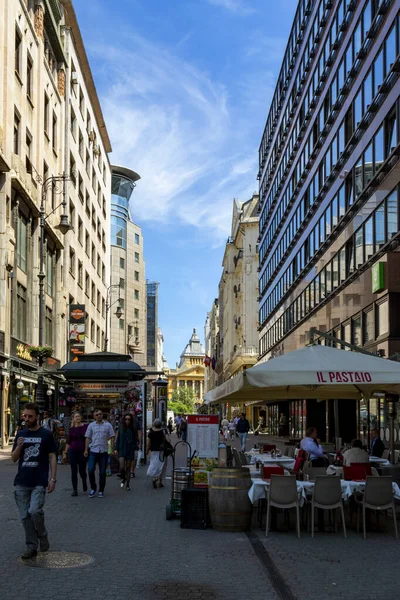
(118, 313)
(64, 226)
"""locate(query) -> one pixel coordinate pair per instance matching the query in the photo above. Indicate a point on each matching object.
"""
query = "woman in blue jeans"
(75, 448)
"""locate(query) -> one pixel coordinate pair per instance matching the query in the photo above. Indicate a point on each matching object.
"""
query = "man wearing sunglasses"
(35, 449)
(97, 435)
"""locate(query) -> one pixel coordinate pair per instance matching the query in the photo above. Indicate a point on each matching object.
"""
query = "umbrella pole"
(391, 415)
(337, 426)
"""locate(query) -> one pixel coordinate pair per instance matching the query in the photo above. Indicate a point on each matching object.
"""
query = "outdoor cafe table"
(259, 487)
(383, 462)
(266, 459)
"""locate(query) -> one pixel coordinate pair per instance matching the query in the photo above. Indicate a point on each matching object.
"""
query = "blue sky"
(185, 87)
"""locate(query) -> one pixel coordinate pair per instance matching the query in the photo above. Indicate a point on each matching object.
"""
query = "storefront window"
(357, 331)
(369, 326)
(382, 318)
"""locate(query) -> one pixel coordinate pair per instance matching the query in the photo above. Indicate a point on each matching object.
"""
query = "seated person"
(377, 446)
(356, 454)
(312, 446)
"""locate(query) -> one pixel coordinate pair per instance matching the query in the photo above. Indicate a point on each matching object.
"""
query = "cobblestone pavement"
(138, 554)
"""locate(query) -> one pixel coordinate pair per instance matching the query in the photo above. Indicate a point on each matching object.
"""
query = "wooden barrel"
(230, 506)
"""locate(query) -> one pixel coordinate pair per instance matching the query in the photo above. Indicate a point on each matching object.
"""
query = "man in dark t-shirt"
(35, 449)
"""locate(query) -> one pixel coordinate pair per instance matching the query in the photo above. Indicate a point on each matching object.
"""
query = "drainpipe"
(67, 34)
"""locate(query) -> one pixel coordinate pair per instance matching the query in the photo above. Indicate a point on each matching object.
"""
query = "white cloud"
(237, 6)
(175, 126)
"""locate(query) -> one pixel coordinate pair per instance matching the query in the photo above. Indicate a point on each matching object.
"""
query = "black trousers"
(77, 460)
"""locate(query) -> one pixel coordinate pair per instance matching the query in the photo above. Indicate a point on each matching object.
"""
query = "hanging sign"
(77, 331)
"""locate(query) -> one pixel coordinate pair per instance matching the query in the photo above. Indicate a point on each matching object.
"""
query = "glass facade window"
(299, 168)
(121, 190)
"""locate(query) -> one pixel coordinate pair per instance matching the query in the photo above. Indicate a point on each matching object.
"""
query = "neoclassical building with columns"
(189, 372)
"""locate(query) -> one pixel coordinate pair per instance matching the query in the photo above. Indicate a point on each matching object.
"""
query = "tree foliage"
(182, 401)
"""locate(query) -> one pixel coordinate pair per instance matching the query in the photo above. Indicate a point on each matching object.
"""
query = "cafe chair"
(268, 471)
(243, 459)
(386, 454)
(302, 454)
(327, 495)
(268, 447)
(229, 456)
(289, 451)
(298, 466)
(378, 495)
(282, 493)
(236, 457)
(312, 472)
(363, 469)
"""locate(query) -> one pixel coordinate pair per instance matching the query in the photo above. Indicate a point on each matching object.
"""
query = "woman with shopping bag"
(158, 459)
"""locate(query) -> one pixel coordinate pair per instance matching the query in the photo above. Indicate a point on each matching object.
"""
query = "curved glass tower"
(123, 184)
(128, 280)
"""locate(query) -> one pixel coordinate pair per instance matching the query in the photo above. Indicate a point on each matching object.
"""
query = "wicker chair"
(378, 495)
(282, 493)
(327, 495)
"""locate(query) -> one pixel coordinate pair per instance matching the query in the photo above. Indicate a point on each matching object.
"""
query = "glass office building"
(122, 186)
(152, 321)
(329, 190)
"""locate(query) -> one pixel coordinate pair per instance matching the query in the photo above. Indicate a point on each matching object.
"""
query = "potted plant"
(40, 351)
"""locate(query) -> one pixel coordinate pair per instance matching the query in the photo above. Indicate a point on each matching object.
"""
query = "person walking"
(224, 426)
(232, 429)
(243, 427)
(97, 435)
(282, 425)
(35, 449)
(183, 428)
(170, 425)
(75, 450)
(137, 425)
(158, 463)
(125, 448)
(178, 420)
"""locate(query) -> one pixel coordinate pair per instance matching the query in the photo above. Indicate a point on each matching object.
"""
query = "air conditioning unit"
(96, 150)
(91, 136)
(74, 78)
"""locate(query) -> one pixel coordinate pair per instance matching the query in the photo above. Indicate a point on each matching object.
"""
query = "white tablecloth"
(267, 459)
(255, 473)
(372, 459)
(259, 487)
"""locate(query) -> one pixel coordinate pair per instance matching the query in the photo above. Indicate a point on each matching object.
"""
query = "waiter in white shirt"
(312, 446)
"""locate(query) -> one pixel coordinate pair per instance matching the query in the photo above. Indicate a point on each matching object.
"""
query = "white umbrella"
(314, 372)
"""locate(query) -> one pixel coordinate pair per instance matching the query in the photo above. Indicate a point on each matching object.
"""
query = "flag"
(207, 361)
(213, 363)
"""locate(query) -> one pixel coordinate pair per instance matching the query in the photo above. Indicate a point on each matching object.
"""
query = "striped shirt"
(99, 434)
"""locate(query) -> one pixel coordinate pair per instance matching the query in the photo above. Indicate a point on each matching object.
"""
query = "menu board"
(203, 435)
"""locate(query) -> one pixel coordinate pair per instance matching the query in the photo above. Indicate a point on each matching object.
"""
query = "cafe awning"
(315, 372)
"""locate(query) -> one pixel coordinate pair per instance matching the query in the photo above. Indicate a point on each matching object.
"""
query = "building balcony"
(244, 352)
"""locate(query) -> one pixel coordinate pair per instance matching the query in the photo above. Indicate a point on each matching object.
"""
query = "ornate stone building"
(51, 125)
(189, 372)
